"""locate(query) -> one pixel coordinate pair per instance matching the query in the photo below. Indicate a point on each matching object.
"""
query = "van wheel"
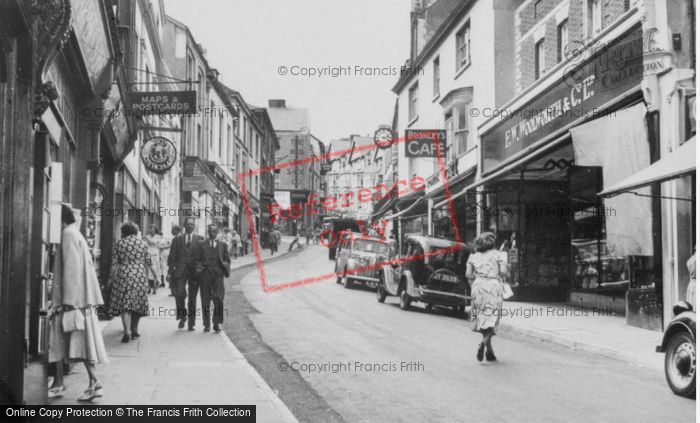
(346, 281)
(680, 365)
(404, 299)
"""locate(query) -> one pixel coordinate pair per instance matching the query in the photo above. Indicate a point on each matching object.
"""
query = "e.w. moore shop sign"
(610, 72)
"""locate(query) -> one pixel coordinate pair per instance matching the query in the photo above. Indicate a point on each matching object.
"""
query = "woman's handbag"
(507, 290)
(73, 320)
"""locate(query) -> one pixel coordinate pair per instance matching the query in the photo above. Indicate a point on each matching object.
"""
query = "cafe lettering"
(421, 142)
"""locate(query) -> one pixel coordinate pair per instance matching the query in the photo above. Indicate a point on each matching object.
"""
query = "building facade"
(357, 169)
(61, 71)
(269, 145)
(603, 91)
(293, 183)
(459, 72)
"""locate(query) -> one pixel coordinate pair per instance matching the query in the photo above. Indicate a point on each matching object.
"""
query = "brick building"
(586, 119)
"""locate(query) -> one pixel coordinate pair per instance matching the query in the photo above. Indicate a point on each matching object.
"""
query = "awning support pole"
(430, 217)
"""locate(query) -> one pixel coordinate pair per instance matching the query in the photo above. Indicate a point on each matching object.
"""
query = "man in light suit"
(211, 261)
(181, 278)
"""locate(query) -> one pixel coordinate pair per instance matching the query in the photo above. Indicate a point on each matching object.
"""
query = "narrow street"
(323, 323)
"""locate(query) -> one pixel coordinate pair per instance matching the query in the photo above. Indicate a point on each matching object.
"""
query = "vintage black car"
(679, 345)
(431, 271)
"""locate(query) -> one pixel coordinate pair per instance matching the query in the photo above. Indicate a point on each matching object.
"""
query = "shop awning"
(532, 154)
(384, 205)
(678, 163)
(404, 210)
(456, 186)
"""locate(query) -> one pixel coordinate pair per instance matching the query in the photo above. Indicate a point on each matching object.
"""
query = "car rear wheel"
(347, 283)
(680, 364)
(404, 299)
(381, 293)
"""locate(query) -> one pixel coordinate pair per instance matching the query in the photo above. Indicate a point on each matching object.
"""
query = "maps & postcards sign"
(162, 102)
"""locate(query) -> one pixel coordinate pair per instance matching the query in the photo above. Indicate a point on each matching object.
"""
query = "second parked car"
(359, 258)
(430, 270)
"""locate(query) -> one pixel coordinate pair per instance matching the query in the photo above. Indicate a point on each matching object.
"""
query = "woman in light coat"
(75, 294)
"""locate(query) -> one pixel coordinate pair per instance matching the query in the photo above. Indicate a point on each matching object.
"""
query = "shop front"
(453, 212)
(542, 169)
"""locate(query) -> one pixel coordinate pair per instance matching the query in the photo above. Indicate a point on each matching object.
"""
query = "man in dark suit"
(211, 261)
(181, 276)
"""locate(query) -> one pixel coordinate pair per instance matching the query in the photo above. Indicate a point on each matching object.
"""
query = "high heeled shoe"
(490, 356)
(56, 391)
(480, 352)
(126, 338)
(94, 391)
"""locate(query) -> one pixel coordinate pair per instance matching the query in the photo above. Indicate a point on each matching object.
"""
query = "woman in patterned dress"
(485, 268)
(131, 263)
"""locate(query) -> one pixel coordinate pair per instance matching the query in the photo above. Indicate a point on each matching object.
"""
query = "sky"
(249, 41)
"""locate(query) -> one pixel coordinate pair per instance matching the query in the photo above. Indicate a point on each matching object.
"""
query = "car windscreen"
(371, 246)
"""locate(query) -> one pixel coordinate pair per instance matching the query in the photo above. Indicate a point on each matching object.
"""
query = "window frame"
(562, 39)
(436, 77)
(463, 39)
(413, 102)
(540, 64)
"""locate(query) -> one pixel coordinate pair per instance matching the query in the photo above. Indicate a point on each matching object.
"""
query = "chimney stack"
(278, 103)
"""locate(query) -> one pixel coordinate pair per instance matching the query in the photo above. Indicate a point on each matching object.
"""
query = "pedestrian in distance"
(211, 262)
(317, 235)
(226, 237)
(183, 284)
(309, 235)
(235, 243)
(131, 266)
(275, 239)
(485, 268)
(296, 229)
(154, 242)
(74, 331)
(165, 253)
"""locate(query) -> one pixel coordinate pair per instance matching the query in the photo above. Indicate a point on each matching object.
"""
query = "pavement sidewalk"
(167, 365)
(582, 329)
(249, 259)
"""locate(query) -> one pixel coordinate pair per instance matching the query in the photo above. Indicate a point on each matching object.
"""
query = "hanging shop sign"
(162, 102)
(196, 176)
(611, 71)
(158, 154)
(421, 142)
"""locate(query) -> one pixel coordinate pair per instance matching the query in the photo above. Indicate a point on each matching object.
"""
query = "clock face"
(383, 137)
